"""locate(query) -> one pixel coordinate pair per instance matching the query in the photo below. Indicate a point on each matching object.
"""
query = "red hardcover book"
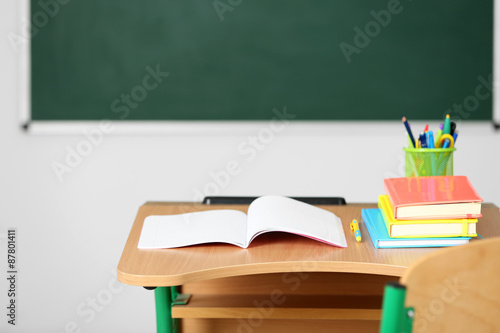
(435, 197)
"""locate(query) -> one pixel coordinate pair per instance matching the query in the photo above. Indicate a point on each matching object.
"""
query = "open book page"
(276, 213)
(170, 231)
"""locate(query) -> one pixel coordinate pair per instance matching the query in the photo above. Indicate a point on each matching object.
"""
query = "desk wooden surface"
(268, 253)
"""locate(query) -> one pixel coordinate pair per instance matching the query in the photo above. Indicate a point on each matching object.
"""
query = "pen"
(409, 132)
(355, 228)
(455, 135)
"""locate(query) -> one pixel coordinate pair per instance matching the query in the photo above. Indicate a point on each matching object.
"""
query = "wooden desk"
(278, 278)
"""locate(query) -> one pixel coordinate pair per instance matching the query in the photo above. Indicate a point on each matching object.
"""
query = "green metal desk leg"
(396, 318)
(163, 300)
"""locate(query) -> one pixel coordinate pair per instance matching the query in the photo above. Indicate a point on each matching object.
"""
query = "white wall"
(71, 233)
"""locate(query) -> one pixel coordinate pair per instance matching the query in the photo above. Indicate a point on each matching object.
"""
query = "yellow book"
(424, 228)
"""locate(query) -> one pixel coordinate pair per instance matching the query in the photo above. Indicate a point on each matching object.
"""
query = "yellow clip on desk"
(281, 283)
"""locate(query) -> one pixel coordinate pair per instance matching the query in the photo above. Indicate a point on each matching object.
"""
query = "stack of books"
(424, 212)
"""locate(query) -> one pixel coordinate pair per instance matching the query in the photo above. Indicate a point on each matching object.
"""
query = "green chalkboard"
(239, 59)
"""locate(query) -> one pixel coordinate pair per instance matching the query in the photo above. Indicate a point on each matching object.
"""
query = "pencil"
(409, 132)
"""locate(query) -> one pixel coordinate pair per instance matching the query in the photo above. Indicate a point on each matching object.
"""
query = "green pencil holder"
(421, 162)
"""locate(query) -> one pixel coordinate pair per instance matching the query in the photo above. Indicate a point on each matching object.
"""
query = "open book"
(265, 214)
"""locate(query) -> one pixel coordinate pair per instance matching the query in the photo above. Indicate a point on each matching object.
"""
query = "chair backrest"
(456, 289)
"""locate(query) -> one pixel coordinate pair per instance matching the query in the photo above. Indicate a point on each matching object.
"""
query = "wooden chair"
(452, 290)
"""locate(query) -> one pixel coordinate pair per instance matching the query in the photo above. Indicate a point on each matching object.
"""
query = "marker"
(453, 127)
(355, 228)
(423, 142)
(410, 134)
(447, 125)
(430, 139)
(426, 128)
(438, 134)
(455, 135)
(430, 144)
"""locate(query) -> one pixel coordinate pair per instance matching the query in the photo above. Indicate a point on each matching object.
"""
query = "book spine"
(371, 230)
(393, 196)
(386, 220)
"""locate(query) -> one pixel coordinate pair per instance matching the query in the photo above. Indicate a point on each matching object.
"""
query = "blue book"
(374, 222)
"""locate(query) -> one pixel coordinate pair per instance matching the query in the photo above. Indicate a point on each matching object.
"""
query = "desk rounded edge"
(267, 268)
